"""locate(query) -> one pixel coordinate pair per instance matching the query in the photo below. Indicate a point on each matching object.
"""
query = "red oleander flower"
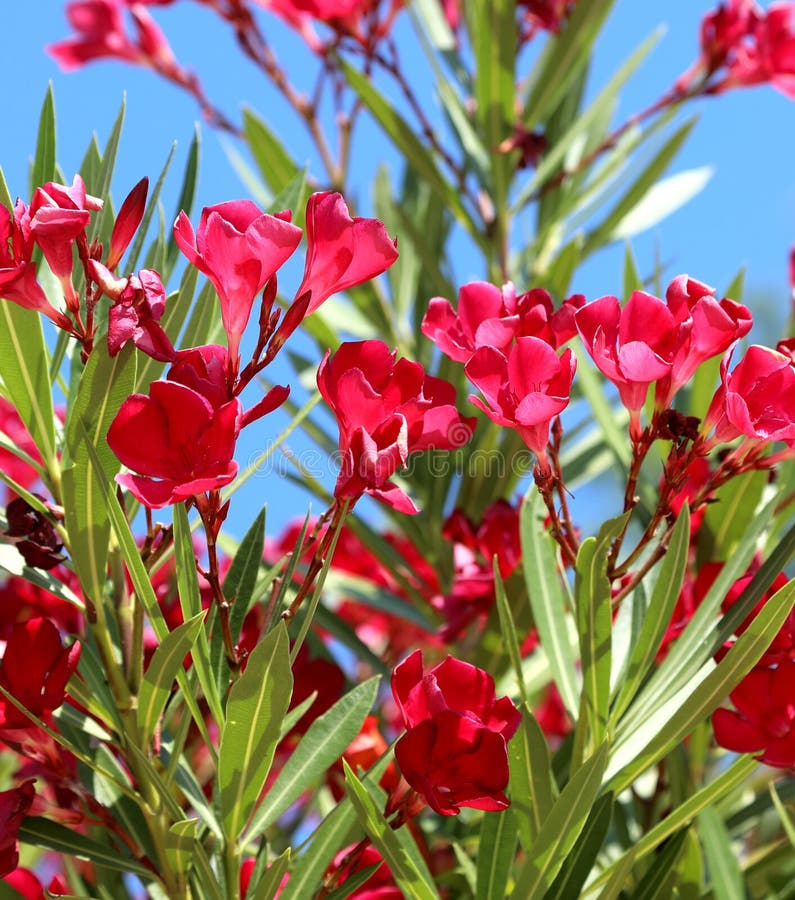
(632, 347)
(102, 34)
(342, 251)
(488, 316)
(524, 391)
(474, 547)
(387, 409)
(58, 214)
(18, 281)
(139, 302)
(362, 20)
(454, 752)
(706, 327)
(239, 248)
(756, 399)
(14, 806)
(35, 669)
(180, 438)
(764, 715)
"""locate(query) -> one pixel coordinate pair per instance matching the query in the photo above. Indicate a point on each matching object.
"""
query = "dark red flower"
(180, 438)
(34, 535)
(764, 715)
(14, 806)
(35, 669)
(454, 752)
(387, 409)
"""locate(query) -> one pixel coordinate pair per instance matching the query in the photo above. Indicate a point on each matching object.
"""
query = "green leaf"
(661, 200)
(786, 819)
(547, 601)
(410, 146)
(658, 616)
(619, 877)
(45, 159)
(727, 519)
(533, 790)
(273, 161)
(5, 195)
(11, 561)
(333, 833)
(561, 828)
(185, 202)
(724, 871)
(594, 623)
(209, 676)
(104, 385)
(136, 247)
(180, 845)
(609, 228)
(580, 861)
(563, 58)
(161, 672)
(268, 887)
(24, 369)
(257, 703)
(658, 881)
(675, 720)
(102, 223)
(325, 741)
(495, 46)
(508, 629)
(50, 835)
(242, 575)
(407, 867)
(555, 155)
(496, 849)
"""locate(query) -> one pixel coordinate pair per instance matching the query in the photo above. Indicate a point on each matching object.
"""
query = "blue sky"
(744, 217)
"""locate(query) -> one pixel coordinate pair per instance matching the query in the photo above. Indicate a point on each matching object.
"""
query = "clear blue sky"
(745, 216)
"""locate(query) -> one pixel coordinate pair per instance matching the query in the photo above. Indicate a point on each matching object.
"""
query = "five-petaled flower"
(454, 752)
(387, 409)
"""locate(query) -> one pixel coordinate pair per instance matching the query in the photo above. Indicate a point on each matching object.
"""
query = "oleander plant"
(448, 683)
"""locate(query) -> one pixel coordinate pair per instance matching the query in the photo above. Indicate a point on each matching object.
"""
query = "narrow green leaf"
(242, 576)
(658, 881)
(102, 223)
(272, 158)
(561, 828)
(594, 623)
(631, 280)
(180, 844)
(724, 871)
(104, 385)
(212, 678)
(609, 228)
(333, 833)
(5, 194)
(563, 58)
(185, 202)
(257, 703)
(161, 672)
(325, 741)
(496, 849)
(547, 602)
(24, 369)
(495, 47)
(11, 561)
(508, 629)
(50, 835)
(410, 146)
(727, 519)
(414, 880)
(619, 877)
(136, 247)
(45, 159)
(580, 861)
(674, 721)
(268, 887)
(532, 787)
(658, 616)
(786, 819)
(662, 200)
